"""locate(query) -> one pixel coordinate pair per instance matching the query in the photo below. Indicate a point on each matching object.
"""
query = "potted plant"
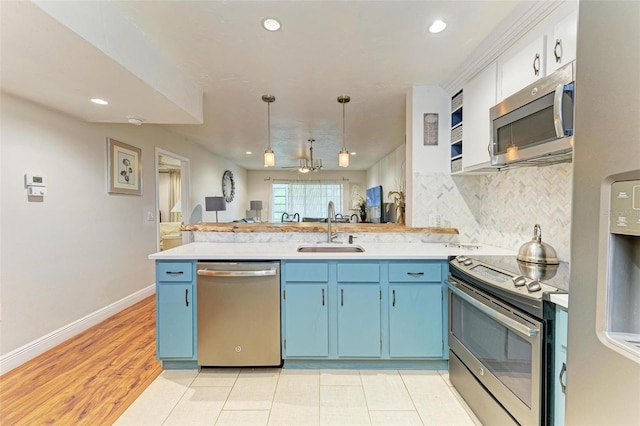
(362, 208)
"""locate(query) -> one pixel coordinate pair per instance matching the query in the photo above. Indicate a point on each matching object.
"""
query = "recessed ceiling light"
(135, 121)
(437, 26)
(354, 153)
(99, 101)
(248, 152)
(271, 24)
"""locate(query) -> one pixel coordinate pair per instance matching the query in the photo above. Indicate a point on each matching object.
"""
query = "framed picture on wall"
(124, 163)
(431, 128)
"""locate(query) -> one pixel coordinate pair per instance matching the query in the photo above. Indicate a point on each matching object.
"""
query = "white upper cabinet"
(561, 44)
(479, 97)
(521, 65)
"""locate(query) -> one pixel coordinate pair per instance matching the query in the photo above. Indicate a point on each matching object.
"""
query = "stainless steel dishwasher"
(238, 314)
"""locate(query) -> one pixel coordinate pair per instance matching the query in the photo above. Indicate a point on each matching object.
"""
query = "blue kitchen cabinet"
(306, 328)
(415, 306)
(415, 320)
(560, 366)
(362, 313)
(358, 313)
(305, 303)
(175, 312)
(359, 320)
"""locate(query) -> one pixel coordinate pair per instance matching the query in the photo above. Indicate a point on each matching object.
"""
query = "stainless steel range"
(500, 335)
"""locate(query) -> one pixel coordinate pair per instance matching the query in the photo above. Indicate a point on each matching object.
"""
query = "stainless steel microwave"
(535, 125)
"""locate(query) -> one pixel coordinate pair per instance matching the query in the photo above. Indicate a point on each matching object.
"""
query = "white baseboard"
(19, 356)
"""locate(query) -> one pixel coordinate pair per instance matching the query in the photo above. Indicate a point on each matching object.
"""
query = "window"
(308, 199)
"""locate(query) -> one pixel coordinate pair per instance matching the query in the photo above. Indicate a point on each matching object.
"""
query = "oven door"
(501, 347)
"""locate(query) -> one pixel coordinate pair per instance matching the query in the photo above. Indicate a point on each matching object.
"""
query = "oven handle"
(511, 323)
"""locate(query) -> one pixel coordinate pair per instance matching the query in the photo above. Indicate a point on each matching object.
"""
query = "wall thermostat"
(35, 179)
(36, 184)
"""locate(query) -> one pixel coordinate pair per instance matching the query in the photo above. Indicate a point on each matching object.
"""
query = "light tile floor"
(273, 396)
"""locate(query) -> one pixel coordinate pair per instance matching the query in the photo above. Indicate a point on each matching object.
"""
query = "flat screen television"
(374, 204)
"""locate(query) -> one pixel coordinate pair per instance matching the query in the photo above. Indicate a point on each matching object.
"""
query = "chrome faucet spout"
(331, 213)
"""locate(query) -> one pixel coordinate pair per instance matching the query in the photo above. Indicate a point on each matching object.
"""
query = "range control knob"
(467, 262)
(534, 286)
(461, 259)
(519, 281)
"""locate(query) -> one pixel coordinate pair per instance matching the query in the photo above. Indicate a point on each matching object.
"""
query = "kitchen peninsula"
(383, 307)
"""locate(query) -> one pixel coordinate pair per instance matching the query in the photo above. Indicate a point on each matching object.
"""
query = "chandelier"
(309, 164)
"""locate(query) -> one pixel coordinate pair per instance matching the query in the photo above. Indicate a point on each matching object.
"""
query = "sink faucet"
(331, 212)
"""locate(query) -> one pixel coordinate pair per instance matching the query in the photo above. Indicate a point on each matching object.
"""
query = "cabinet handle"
(393, 303)
(323, 297)
(557, 47)
(175, 272)
(186, 296)
(415, 274)
(536, 64)
(341, 297)
(562, 372)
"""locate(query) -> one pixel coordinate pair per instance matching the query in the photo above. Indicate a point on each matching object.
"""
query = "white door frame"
(185, 188)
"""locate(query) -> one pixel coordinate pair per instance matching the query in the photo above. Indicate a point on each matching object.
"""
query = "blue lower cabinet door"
(307, 320)
(359, 320)
(415, 320)
(175, 321)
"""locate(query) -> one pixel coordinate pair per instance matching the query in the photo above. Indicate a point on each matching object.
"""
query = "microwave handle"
(558, 120)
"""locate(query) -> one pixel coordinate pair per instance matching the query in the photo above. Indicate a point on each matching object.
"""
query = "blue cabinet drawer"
(175, 271)
(316, 272)
(419, 272)
(358, 272)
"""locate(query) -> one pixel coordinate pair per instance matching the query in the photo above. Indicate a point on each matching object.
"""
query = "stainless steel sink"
(330, 248)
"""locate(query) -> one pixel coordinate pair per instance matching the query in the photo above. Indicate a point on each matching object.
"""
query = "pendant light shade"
(269, 155)
(343, 158)
(269, 158)
(343, 155)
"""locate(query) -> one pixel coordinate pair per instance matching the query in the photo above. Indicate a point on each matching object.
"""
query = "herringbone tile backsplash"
(500, 208)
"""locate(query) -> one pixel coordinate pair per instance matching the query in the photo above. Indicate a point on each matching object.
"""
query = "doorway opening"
(172, 199)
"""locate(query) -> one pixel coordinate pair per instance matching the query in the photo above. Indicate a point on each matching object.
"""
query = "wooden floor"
(88, 380)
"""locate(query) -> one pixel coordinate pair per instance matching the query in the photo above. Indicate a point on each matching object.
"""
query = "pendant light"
(343, 156)
(269, 156)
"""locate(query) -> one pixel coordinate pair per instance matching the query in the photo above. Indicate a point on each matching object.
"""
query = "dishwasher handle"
(258, 273)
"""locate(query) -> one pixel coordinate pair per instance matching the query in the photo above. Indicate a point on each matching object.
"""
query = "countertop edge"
(288, 251)
(560, 300)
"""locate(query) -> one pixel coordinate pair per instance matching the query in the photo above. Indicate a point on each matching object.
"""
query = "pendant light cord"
(343, 145)
(269, 124)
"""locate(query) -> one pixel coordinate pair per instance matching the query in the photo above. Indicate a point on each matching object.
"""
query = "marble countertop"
(288, 251)
(315, 227)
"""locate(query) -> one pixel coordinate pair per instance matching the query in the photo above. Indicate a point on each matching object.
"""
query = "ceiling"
(151, 60)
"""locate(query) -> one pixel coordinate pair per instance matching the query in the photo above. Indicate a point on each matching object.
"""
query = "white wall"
(389, 172)
(259, 185)
(420, 157)
(80, 249)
